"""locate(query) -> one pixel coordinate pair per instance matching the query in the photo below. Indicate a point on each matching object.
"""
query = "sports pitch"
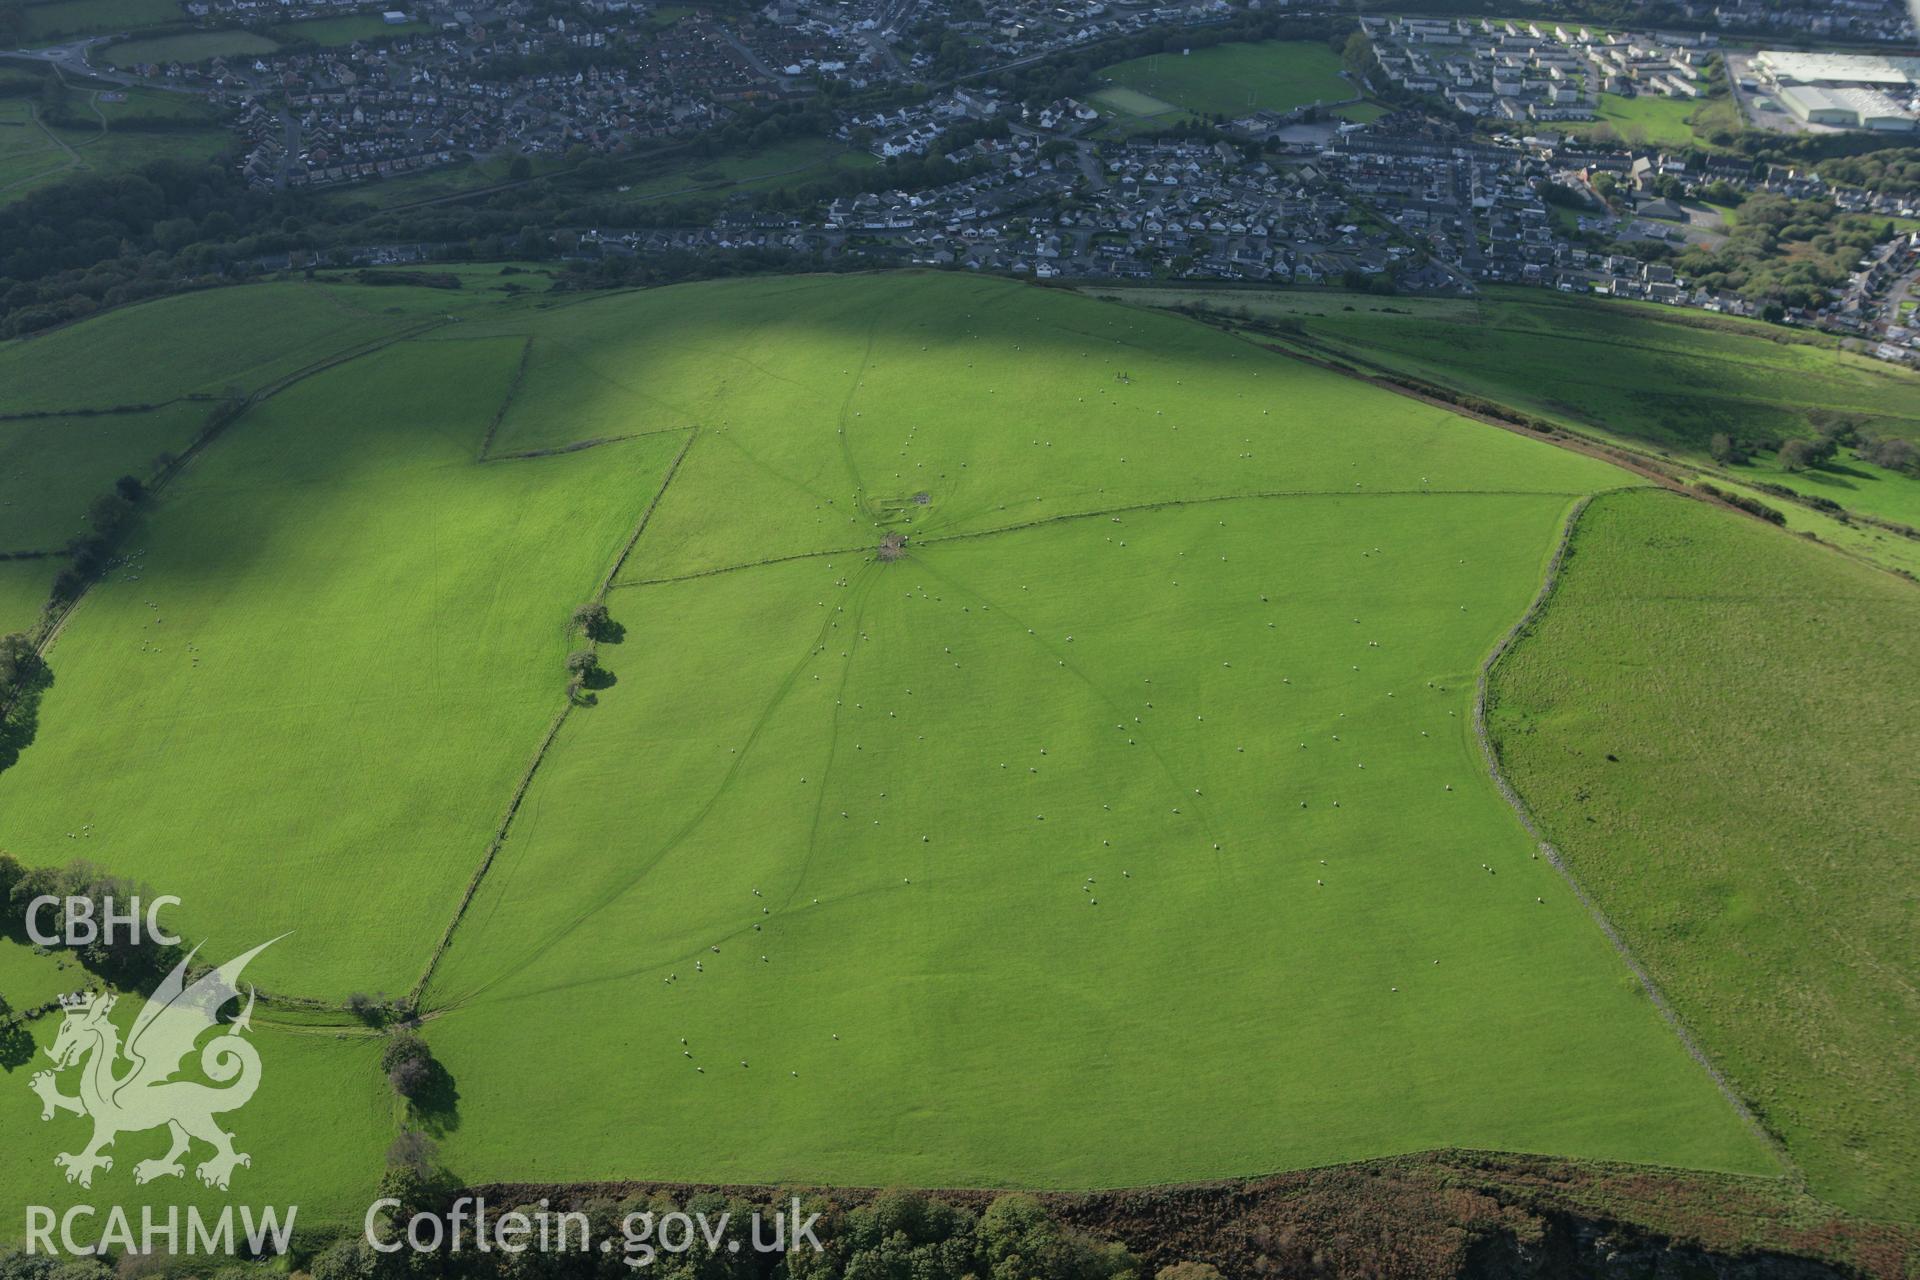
(1234, 79)
(1127, 826)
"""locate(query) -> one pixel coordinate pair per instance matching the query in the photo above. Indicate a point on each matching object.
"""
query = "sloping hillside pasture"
(27, 155)
(304, 704)
(52, 468)
(1642, 372)
(1004, 852)
(1852, 482)
(1870, 542)
(23, 590)
(1639, 373)
(1178, 587)
(317, 1131)
(1715, 725)
(213, 342)
(34, 152)
(1238, 78)
(152, 105)
(111, 150)
(826, 408)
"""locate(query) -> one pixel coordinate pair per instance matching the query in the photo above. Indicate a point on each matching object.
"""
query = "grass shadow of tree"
(16, 1044)
(20, 709)
(436, 1101)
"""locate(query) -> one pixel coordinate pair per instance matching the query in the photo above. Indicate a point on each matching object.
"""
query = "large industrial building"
(1845, 90)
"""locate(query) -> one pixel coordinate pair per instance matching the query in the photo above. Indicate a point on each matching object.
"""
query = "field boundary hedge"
(1520, 629)
(546, 743)
(506, 401)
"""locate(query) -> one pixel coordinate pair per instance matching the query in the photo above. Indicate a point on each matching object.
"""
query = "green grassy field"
(29, 155)
(1879, 546)
(317, 1131)
(191, 47)
(341, 576)
(1714, 724)
(821, 682)
(1652, 119)
(1132, 102)
(233, 341)
(23, 590)
(1647, 120)
(1852, 482)
(34, 153)
(429, 184)
(1234, 79)
(152, 105)
(1015, 943)
(786, 164)
(60, 19)
(1637, 372)
(51, 468)
(110, 150)
(1128, 828)
(1655, 373)
(28, 979)
(332, 32)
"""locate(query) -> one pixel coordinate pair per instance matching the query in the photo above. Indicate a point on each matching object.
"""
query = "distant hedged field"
(1009, 739)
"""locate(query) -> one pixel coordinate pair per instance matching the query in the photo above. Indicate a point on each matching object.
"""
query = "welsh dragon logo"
(145, 1094)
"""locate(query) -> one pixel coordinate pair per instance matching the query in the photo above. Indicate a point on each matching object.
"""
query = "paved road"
(72, 57)
(754, 60)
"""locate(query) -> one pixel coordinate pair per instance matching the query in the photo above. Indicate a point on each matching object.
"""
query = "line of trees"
(23, 676)
(126, 960)
(900, 1234)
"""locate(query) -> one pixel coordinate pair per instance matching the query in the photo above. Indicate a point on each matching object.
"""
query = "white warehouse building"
(1847, 108)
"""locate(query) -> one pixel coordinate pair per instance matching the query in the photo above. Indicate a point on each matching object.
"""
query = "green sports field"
(192, 47)
(1123, 824)
(333, 32)
(1234, 79)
